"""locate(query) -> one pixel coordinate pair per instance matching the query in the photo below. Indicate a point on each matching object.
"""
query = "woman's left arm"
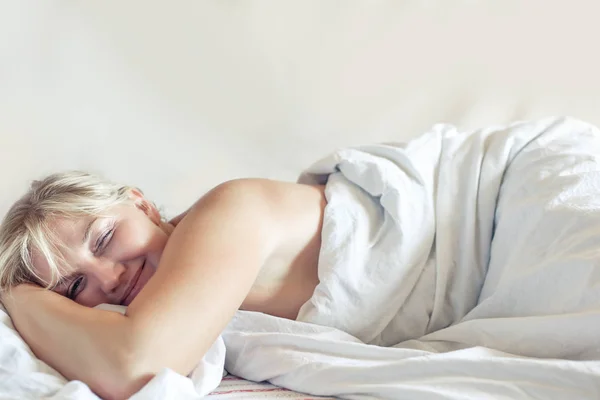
(82, 343)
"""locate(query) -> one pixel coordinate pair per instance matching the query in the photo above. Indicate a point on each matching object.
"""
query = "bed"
(176, 99)
(233, 387)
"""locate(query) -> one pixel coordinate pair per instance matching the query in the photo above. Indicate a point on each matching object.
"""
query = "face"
(109, 258)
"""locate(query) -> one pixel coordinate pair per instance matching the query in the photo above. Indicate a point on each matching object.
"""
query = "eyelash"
(74, 288)
(104, 240)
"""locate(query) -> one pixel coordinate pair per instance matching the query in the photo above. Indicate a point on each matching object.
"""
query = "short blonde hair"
(26, 226)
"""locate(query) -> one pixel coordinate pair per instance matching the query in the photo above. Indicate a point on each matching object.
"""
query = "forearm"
(90, 345)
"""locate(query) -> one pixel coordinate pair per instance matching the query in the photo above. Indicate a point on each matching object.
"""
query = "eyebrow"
(88, 229)
(63, 280)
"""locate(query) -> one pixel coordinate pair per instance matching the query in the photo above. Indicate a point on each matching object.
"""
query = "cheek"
(136, 240)
(147, 273)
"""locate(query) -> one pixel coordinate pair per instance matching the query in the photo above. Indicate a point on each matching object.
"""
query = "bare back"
(289, 277)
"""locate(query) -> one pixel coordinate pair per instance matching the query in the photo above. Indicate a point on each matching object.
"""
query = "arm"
(187, 303)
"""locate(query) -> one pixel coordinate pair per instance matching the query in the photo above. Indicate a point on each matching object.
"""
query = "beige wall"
(176, 98)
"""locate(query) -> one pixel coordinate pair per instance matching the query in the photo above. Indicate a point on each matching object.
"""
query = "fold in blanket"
(466, 252)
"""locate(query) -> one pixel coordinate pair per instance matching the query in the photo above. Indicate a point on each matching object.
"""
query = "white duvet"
(459, 265)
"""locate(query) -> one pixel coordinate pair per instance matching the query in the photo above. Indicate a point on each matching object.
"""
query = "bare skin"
(288, 279)
(249, 244)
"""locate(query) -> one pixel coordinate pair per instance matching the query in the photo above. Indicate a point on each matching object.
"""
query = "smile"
(131, 290)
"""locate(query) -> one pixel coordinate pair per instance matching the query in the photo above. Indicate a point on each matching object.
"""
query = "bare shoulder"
(264, 190)
(284, 219)
(274, 198)
(281, 201)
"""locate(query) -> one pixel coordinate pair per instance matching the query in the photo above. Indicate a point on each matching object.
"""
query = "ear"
(140, 201)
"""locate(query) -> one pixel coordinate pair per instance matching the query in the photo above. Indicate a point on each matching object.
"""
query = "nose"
(109, 275)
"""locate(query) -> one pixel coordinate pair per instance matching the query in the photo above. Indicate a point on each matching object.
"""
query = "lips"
(132, 289)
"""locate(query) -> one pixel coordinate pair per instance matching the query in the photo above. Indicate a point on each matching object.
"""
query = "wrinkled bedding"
(473, 257)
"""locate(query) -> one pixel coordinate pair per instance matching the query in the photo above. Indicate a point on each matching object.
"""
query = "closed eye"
(76, 287)
(104, 240)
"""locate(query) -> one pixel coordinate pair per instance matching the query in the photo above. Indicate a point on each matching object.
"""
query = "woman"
(251, 244)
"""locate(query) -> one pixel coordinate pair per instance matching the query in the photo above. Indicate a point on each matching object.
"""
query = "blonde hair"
(26, 226)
